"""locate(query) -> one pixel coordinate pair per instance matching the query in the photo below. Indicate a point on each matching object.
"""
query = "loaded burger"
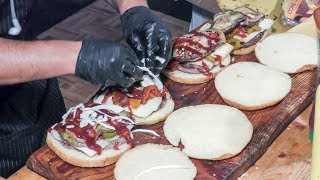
(146, 102)
(91, 136)
(198, 56)
(243, 27)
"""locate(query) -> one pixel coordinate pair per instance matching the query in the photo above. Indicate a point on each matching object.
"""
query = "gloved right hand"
(107, 63)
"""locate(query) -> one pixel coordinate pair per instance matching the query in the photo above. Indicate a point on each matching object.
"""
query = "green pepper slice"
(109, 135)
(235, 42)
(254, 29)
(210, 58)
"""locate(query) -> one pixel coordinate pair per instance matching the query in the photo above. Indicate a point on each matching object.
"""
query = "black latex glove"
(107, 63)
(148, 36)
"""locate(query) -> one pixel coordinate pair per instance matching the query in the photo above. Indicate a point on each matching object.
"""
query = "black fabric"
(24, 119)
(27, 109)
(107, 63)
(23, 11)
(148, 36)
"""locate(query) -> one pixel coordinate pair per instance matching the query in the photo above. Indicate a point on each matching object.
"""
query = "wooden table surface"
(287, 158)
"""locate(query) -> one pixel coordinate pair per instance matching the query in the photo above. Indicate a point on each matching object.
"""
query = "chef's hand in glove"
(148, 36)
(107, 63)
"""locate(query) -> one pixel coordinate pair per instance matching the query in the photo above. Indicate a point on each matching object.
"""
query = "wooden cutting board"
(268, 124)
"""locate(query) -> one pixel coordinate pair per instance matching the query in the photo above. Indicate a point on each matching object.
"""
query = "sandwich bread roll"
(188, 78)
(156, 162)
(210, 131)
(252, 86)
(80, 159)
(288, 52)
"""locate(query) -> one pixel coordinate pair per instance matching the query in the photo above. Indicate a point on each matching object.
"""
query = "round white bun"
(288, 52)
(188, 78)
(156, 162)
(209, 131)
(159, 115)
(78, 158)
(252, 86)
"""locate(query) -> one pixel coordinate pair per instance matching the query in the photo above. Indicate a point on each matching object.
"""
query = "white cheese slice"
(248, 36)
(266, 24)
(223, 50)
(144, 110)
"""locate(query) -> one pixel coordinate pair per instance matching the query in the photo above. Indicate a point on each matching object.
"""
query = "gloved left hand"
(108, 63)
(148, 36)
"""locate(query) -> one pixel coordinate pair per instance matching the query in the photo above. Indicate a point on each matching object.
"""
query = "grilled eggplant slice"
(227, 21)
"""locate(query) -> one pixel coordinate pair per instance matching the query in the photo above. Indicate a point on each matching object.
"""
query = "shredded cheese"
(70, 126)
(90, 115)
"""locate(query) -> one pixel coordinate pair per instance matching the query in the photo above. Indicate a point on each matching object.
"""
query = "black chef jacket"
(27, 109)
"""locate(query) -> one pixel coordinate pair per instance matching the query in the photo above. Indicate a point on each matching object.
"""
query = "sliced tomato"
(150, 92)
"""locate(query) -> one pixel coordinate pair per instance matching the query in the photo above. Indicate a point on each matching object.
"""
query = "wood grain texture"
(25, 174)
(289, 157)
(268, 124)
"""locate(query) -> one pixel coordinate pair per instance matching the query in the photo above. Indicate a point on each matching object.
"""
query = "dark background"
(47, 13)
